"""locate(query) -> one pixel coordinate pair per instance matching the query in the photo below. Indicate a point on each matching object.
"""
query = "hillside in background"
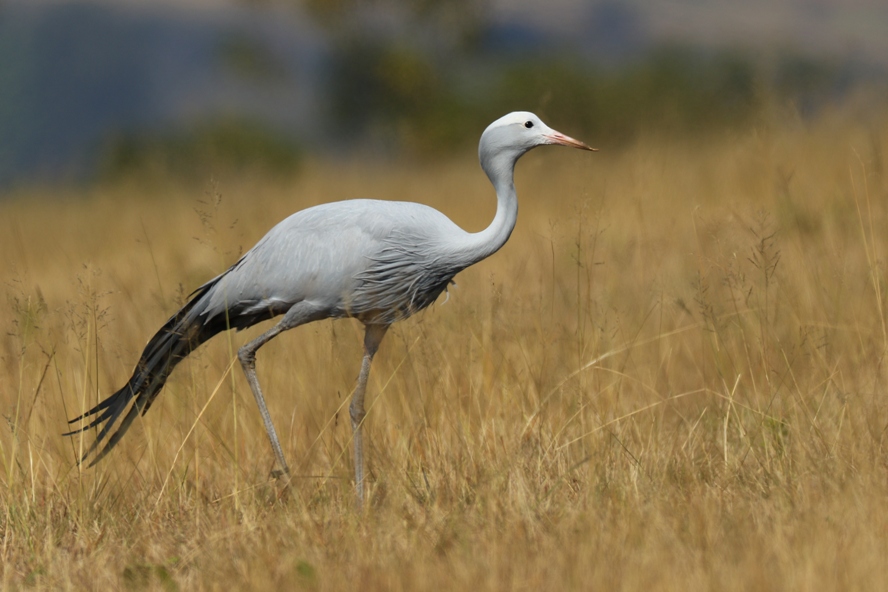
(89, 90)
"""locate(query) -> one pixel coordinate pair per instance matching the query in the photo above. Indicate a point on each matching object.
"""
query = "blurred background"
(101, 90)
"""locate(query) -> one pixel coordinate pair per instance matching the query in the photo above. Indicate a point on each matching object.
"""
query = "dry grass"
(671, 378)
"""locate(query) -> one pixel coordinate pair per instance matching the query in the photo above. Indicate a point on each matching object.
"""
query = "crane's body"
(391, 259)
(376, 261)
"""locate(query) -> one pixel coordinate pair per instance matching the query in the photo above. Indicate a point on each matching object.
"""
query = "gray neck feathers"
(498, 161)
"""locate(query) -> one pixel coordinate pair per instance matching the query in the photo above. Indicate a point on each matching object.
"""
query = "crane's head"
(509, 137)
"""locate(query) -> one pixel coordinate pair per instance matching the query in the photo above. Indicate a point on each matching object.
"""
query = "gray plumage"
(376, 261)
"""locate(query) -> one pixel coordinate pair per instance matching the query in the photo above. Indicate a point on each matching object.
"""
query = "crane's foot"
(281, 474)
(282, 478)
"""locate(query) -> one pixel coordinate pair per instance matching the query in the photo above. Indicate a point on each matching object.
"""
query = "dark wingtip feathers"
(111, 409)
(183, 332)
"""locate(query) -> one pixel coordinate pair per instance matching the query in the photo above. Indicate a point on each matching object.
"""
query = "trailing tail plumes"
(179, 336)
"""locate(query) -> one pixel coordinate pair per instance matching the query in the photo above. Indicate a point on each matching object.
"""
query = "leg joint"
(247, 357)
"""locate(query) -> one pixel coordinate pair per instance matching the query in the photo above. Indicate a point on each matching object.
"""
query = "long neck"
(487, 242)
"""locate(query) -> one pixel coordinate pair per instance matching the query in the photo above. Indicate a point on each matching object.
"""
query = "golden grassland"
(672, 377)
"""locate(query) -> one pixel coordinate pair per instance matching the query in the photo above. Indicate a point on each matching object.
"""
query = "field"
(671, 378)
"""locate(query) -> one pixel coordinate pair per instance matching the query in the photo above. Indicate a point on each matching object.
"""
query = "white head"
(509, 137)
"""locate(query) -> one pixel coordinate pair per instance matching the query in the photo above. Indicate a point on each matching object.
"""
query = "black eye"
(528, 124)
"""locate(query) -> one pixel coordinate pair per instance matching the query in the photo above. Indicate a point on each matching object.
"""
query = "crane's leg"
(372, 338)
(247, 355)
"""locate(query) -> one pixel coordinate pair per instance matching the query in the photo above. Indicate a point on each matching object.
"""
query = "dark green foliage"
(672, 90)
(203, 149)
(428, 108)
(371, 80)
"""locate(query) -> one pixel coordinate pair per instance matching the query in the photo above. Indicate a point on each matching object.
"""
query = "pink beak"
(562, 140)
